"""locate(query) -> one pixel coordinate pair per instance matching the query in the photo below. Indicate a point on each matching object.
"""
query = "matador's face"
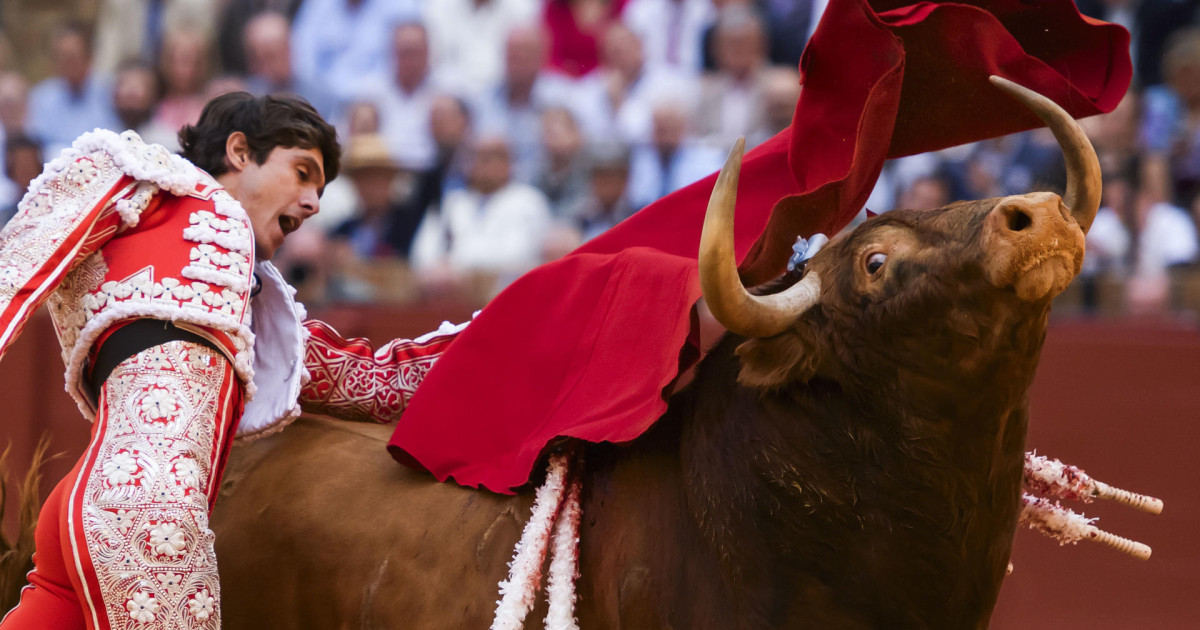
(279, 194)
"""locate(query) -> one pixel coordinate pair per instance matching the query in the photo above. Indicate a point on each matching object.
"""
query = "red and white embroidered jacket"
(116, 229)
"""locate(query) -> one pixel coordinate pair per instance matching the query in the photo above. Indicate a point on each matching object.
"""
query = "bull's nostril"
(1019, 220)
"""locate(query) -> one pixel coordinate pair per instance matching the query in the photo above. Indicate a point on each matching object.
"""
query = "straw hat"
(367, 150)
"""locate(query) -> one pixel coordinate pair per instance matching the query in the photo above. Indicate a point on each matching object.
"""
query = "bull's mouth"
(1045, 273)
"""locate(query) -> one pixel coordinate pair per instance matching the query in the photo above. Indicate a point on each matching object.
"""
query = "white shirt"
(1168, 238)
(403, 120)
(501, 232)
(672, 33)
(336, 46)
(1107, 244)
(633, 121)
(466, 43)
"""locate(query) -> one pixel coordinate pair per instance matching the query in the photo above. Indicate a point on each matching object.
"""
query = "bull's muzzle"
(1033, 245)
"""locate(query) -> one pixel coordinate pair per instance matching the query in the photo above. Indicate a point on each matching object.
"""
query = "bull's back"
(317, 527)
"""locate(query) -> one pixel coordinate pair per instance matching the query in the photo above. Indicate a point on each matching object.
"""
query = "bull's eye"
(875, 262)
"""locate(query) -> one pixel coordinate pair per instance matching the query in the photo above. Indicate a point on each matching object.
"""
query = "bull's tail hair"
(16, 556)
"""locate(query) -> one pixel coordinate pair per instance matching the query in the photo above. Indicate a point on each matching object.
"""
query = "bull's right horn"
(1082, 197)
(743, 314)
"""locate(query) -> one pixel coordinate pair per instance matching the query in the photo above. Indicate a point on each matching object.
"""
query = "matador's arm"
(351, 381)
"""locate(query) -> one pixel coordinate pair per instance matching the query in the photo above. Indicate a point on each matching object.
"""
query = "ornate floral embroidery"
(223, 253)
(55, 206)
(145, 503)
(81, 173)
(202, 605)
(142, 607)
(63, 303)
(348, 381)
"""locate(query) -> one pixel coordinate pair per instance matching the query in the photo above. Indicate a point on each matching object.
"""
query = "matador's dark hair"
(276, 120)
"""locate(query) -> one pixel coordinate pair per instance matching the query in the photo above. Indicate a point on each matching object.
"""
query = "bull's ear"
(775, 362)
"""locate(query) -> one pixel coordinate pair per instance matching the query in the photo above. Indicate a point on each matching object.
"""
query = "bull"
(849, 455)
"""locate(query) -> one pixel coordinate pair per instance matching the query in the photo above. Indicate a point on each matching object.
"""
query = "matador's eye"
(875, 262)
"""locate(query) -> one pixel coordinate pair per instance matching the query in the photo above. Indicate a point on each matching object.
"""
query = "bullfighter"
(151, 264)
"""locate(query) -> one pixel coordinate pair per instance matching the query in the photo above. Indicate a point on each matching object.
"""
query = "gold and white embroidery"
(48, 214)
(61, 197)
(145, 502)
(63, 304)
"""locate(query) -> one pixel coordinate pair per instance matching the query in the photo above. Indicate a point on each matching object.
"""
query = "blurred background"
(484, 137)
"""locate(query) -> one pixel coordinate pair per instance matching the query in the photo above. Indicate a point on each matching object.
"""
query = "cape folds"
(586, 346)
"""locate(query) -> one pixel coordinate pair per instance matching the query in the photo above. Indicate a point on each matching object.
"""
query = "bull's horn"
(734, 307)
(1083, 169)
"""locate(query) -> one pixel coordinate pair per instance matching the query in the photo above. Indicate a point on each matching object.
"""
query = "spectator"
(73, 100)
(7, 58)
(1115, 135)
(236, 18)
(449, 123)
(266, 41)
(1142, 238)
(128, 30)
(184, 64)
(337, 43)
(563, 176)
(362, 117)
(14, 101)
(1108, 240)
(1151, 24)
(574, 27)
(404, 97)
(789, 25)
(369, 233)
(672, 161)
(780, 92)
(340, 201)
(135, 100)
(733, 95)
(1166, 237)
(1181, 67)
(926, 193)
(514, 106)
(672, 32)
(467, 39)
(22, 163)
(495, 226)
(615, 102)
(708, 57)
(607, 203)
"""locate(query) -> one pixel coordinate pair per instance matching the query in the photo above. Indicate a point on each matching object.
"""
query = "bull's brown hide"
(317, 527)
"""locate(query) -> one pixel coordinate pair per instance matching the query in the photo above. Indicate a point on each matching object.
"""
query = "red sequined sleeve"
(351, 381)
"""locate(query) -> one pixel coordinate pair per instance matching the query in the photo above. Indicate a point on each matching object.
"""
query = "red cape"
(586, 346)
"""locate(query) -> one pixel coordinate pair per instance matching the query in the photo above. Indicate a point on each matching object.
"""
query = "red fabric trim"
(84, 570)
(583, 346)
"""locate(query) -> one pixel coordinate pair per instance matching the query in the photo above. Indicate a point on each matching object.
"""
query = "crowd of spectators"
(483, 137)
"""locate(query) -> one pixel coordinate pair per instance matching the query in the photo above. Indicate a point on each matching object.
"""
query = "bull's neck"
(814, 494)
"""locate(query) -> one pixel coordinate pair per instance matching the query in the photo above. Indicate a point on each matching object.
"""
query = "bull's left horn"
(1083, 168)
(734, 307)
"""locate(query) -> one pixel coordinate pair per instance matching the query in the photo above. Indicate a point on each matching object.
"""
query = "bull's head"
(953, 277)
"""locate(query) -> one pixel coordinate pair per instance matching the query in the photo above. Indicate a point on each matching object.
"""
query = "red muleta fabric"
(586, 346)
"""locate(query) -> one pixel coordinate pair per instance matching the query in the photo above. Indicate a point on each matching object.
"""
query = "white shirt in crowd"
(335, 45)
(1168, 238)
(672, 32)
(466, 43)
(403, 119)
(502, 232)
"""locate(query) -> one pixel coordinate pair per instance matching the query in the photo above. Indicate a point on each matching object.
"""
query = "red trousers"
(123, 540)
